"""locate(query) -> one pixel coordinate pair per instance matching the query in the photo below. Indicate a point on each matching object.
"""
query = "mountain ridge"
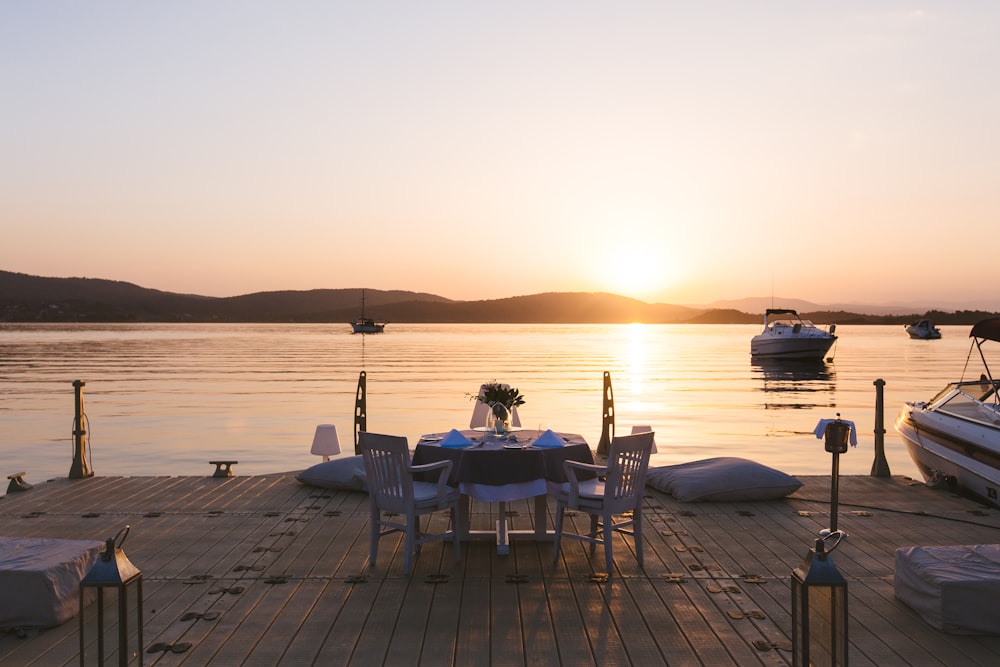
(26, 298)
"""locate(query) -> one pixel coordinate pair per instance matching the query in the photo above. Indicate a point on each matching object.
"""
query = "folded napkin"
(820, 430)
(455, 439)
(548, 439)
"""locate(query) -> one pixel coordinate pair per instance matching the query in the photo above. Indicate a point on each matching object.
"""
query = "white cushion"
(953, 588)
(40, 579)
(346, 474)
(424, 491)
(589, 488)
(722, 479)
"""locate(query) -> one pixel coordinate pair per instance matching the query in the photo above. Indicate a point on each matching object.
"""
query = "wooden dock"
(265, 571)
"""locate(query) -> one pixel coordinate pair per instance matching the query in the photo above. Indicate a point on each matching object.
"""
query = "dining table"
(495, 468)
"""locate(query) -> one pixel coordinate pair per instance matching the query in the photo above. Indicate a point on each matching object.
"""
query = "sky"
(675, 152)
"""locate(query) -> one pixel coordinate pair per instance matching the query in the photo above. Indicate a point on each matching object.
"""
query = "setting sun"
(638, 270)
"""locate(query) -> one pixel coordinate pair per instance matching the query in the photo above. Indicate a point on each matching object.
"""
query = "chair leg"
(456, 529)
(373, 534)
(409, 541)
(608, 543)
(637, 534)
(558, 532)
(593, 533)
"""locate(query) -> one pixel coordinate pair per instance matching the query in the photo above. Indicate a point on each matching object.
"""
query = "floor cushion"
(40, 579)
(347, 474)
(953, 588)
(720, 479)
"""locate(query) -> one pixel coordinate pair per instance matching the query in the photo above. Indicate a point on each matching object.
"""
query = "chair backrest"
(387, 470)
(628, 462)
(480, 411)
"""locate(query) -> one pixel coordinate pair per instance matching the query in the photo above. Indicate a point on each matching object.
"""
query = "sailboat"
(365, 324)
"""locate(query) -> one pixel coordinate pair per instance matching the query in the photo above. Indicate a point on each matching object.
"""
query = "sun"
(640, 271)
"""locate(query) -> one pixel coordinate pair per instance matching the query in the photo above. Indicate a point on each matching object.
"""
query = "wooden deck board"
(278, 560)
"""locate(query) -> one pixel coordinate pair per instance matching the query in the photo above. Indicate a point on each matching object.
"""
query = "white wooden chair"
(621, 491)
(392, 489)
(481, 410)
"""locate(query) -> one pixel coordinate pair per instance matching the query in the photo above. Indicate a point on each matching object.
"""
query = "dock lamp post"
(836, 434)
(111, 632)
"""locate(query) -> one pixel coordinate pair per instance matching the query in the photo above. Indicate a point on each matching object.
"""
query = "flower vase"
(499, 419)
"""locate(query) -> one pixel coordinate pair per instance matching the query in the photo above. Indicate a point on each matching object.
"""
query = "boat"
(923, 329)
(954, 438)
(366, 325)
(788, 336)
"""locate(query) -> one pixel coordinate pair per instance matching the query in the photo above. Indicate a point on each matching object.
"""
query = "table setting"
(503, 467)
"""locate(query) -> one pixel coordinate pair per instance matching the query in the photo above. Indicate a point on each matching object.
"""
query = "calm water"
(164, 399)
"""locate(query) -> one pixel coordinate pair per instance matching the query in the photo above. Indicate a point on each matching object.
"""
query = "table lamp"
(325, 441)
(645, 429)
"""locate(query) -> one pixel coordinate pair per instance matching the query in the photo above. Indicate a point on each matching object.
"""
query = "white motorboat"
(363, 324)
(923, 329)
(954, 438)
(788, 336)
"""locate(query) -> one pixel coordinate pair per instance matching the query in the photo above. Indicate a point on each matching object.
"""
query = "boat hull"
(790, 347)
(964, 454)
(363, 327)
(923, 334)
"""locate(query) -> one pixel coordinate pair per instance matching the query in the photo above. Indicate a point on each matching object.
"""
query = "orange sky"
(674, 152)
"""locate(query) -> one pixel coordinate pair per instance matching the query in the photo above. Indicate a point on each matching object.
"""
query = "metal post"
(880, 467)
(360, 409)
(834, 492)
(837, 435)
(607, 417)
(80, 467)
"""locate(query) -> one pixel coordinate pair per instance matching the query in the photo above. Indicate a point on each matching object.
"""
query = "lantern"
(819, 609)
(111, 628)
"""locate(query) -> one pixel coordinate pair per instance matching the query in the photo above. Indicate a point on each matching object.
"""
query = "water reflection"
(795, 384)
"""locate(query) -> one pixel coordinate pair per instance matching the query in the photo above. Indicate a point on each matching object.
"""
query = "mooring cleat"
(223, 468)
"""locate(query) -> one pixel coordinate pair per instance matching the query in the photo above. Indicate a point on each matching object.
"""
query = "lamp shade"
(325, 442)
(645, 429)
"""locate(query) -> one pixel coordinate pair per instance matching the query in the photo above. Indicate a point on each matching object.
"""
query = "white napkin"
(820, 430)
(455, 439)
(548, 439)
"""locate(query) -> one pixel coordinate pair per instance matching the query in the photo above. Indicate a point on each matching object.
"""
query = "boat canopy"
(987, 329)
(780, 311)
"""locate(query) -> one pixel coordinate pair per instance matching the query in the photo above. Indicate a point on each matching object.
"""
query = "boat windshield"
(966, 399)
(796, 325)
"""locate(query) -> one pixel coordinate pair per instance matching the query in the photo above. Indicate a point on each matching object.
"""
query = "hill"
(25, 298)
